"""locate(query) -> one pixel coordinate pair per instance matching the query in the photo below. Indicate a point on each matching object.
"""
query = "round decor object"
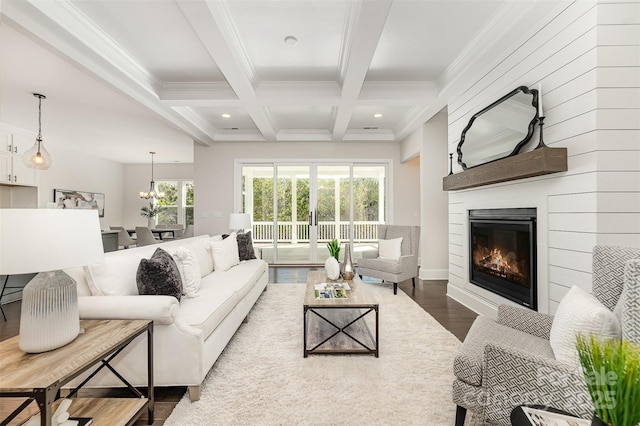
(332, 268)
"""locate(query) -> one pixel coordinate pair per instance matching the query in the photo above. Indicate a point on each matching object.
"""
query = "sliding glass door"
(297, 208)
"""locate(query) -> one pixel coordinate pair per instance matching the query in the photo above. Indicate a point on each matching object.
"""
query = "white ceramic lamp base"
(49, 317)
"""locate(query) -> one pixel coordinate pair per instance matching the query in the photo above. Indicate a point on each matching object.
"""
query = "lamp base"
(49, 316)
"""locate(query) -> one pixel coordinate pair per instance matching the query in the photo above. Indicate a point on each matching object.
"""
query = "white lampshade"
(46, 241)
(36, 240)
(239, 221)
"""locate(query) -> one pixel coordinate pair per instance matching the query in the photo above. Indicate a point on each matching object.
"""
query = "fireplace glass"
(503, 253)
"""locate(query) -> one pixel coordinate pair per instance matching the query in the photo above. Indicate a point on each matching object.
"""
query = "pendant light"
(152, 193)
(37, 157)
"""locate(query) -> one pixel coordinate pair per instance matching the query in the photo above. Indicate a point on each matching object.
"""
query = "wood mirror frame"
(501, 129)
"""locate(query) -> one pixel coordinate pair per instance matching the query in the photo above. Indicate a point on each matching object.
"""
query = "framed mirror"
(500, 130)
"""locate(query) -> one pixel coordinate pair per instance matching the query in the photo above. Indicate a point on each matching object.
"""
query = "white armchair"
(389, 270)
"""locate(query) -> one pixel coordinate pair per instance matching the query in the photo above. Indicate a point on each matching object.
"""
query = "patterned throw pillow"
(189, 269)
(159, 275)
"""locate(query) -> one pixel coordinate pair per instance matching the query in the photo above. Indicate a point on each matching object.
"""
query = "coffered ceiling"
(131, 76)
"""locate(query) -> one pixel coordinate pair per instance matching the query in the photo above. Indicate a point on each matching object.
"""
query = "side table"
(40, 376)
(519, 418)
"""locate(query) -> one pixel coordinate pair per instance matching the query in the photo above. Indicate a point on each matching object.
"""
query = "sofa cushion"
(159, 275)
(116, 274)
(384, 265)
(580, 312)
(189, 269)
(390, 249)
(219, 293)
(225, 253)
(467, 365)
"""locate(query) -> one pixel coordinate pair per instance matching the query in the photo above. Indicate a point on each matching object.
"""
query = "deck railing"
(298, 232)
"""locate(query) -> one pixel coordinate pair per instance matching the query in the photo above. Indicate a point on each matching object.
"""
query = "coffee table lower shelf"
(107, 411)
(340, 330)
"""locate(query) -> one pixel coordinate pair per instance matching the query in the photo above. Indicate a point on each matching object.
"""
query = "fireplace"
(502, 253)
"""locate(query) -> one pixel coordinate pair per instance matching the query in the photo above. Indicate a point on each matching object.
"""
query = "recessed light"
(290, 40)
(377, 115)
(225, 115)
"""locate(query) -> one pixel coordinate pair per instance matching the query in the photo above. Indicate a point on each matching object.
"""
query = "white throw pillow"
(580, 312)
(115, 275)
(200, 248)
(390, 249)
(225, 253)
(189, 270)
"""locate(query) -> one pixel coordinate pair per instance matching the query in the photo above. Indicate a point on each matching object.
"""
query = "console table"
(40, 376)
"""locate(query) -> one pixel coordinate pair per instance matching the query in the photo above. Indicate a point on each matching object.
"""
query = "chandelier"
(152, 193)
(37, 157)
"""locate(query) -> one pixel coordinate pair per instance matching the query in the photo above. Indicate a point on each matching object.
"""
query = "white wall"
(434, 236)
(137, 177)
(72, 170)
(585, 55)
(214, 170)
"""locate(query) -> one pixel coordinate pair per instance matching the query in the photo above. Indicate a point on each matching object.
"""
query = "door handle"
(316, 221)
(310, 218)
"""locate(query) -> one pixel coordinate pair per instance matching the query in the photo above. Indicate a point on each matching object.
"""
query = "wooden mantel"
(540, 161)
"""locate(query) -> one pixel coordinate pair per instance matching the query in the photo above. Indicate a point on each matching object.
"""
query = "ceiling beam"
(62, 26)
(211, 22)
(363, 32)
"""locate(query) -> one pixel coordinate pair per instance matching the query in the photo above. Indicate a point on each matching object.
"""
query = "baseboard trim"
(433, 274)
(472, 301)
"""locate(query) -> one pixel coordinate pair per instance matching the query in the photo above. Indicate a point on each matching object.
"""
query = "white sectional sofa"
(189, 334)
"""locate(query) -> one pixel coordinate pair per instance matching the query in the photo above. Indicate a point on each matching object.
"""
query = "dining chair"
(178, 230)
(124, 240)
(145, 237)
(188, 232)
(166, 235)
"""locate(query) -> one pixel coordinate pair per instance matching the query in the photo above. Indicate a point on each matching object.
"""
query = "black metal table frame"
(308, 310)
(45, 397)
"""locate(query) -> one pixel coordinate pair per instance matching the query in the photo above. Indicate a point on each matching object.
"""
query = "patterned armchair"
(509, 362)
(391, 270)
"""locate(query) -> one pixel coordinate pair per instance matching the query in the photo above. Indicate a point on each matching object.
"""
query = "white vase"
(332, 268)
(151, 222)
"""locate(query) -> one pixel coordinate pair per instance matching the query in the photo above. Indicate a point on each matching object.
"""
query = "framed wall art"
(72, 199)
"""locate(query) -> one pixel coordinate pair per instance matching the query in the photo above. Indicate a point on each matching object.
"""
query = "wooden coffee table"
(339, 326)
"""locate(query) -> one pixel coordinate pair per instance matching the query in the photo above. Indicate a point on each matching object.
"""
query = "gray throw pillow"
(245, 246)
(159, 275)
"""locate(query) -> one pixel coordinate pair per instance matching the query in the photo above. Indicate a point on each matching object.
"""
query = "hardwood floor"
(430, 295)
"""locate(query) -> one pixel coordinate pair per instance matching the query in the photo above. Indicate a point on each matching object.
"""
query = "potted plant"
(612, 371)
(150, 213)
(334, 248)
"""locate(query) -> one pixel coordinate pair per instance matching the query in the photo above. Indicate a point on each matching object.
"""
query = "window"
(177, 205)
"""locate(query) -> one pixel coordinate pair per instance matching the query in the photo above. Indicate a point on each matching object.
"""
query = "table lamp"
(46, 241)
(239, 221)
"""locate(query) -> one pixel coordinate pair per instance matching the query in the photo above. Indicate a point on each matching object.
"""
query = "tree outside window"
(177, 205)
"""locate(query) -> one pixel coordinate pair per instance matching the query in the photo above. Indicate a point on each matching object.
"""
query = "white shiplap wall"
(586, 55)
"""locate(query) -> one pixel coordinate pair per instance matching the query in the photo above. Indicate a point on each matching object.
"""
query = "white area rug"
(262, 378)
